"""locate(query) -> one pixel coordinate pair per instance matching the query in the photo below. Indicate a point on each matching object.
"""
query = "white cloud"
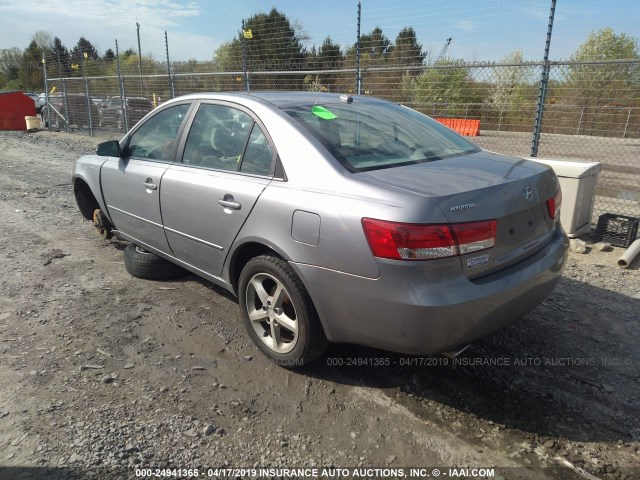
(102, 21)
(465, 25)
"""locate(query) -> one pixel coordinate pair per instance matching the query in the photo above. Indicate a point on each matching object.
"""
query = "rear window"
(372, 136)
(138, 103)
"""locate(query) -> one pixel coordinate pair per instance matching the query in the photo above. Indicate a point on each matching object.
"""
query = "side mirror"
(110, 148)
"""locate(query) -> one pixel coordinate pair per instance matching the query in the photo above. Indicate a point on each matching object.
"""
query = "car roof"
(289, 99)
(284, 99)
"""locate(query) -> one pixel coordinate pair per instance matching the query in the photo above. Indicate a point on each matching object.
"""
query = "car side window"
(156, 138)
(258, 155)
(217, 137)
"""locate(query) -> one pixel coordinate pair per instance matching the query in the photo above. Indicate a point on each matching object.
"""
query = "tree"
(228, 57)
(610, 83)
(30, 75)
(605, 44)
(274, 44)
(376, 46)
(443, 90)
(512, 88)
(328, 57)
(407, 51)
(43, 39)
(109, 56)
(375, 49)
(10, 61)
(83, 47)
(83, 52)
(600, 84)
(59, 61)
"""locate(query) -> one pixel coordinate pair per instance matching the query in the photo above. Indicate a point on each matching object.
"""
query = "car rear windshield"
(371, 136)
(138, 103)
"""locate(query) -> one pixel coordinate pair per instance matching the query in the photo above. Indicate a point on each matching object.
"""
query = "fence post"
(89, 101)
(140, 60)
(245, 75)
(580, 121)
(64, 98)
(626, 124)
(535, 141)
(86, 96)
(66, 106)
(166, 47)
(358, 71)
(46, 84)
(123, 104)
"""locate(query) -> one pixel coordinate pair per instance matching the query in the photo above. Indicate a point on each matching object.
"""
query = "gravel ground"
(102, 374)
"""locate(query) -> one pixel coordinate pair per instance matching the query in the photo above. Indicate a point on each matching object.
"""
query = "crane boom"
(443, 51)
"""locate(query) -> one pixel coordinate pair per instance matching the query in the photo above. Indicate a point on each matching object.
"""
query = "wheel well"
(87, 203)
(241, 258)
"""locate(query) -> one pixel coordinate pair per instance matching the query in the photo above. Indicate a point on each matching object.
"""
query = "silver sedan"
(332, 218)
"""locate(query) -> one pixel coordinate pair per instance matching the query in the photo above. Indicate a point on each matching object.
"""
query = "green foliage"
(275, 44)
(328, 57)
(228, 57)
(513, 91)
(30, 75)
(109, 56)
(375, 46)
(10, 61)
(43, 39)
(443, 88)
(605, 83)
(407, 51)
(84, 49)
(605, 44)
(59, 60)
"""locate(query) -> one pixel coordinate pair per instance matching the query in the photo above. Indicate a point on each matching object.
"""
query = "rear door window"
(218, 137)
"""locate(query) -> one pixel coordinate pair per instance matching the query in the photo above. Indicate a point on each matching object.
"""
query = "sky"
(481, 30)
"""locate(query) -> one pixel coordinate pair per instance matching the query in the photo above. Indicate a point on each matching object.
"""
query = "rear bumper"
(430, 307)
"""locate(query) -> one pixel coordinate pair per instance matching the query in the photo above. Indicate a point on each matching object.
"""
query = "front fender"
(87, 169)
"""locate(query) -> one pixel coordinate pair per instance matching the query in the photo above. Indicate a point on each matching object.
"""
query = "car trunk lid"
(485, 186)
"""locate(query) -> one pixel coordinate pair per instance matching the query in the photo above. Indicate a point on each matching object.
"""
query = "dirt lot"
(102, 374)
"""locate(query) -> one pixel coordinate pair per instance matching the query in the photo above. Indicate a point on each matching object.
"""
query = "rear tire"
(148, 266)
(278, 312)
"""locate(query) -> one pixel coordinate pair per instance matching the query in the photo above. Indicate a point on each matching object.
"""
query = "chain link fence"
(591, 110)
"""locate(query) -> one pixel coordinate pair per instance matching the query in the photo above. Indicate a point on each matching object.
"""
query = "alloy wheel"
(272, 313)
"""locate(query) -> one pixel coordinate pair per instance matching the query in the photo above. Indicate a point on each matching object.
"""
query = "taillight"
(409, 241)
(475, 236)
(554, 203)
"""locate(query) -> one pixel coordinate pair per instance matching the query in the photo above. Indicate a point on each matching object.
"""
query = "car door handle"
(230, 204)
(150, 185)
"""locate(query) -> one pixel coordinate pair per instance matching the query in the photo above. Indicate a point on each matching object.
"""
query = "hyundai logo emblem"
(529, 193)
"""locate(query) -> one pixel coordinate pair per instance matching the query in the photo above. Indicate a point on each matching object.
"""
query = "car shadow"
(568, 369)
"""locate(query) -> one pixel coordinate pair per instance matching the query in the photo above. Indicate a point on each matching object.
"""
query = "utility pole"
(544, 81)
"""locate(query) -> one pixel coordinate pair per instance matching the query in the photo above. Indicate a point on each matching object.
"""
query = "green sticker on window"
(323, 113)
